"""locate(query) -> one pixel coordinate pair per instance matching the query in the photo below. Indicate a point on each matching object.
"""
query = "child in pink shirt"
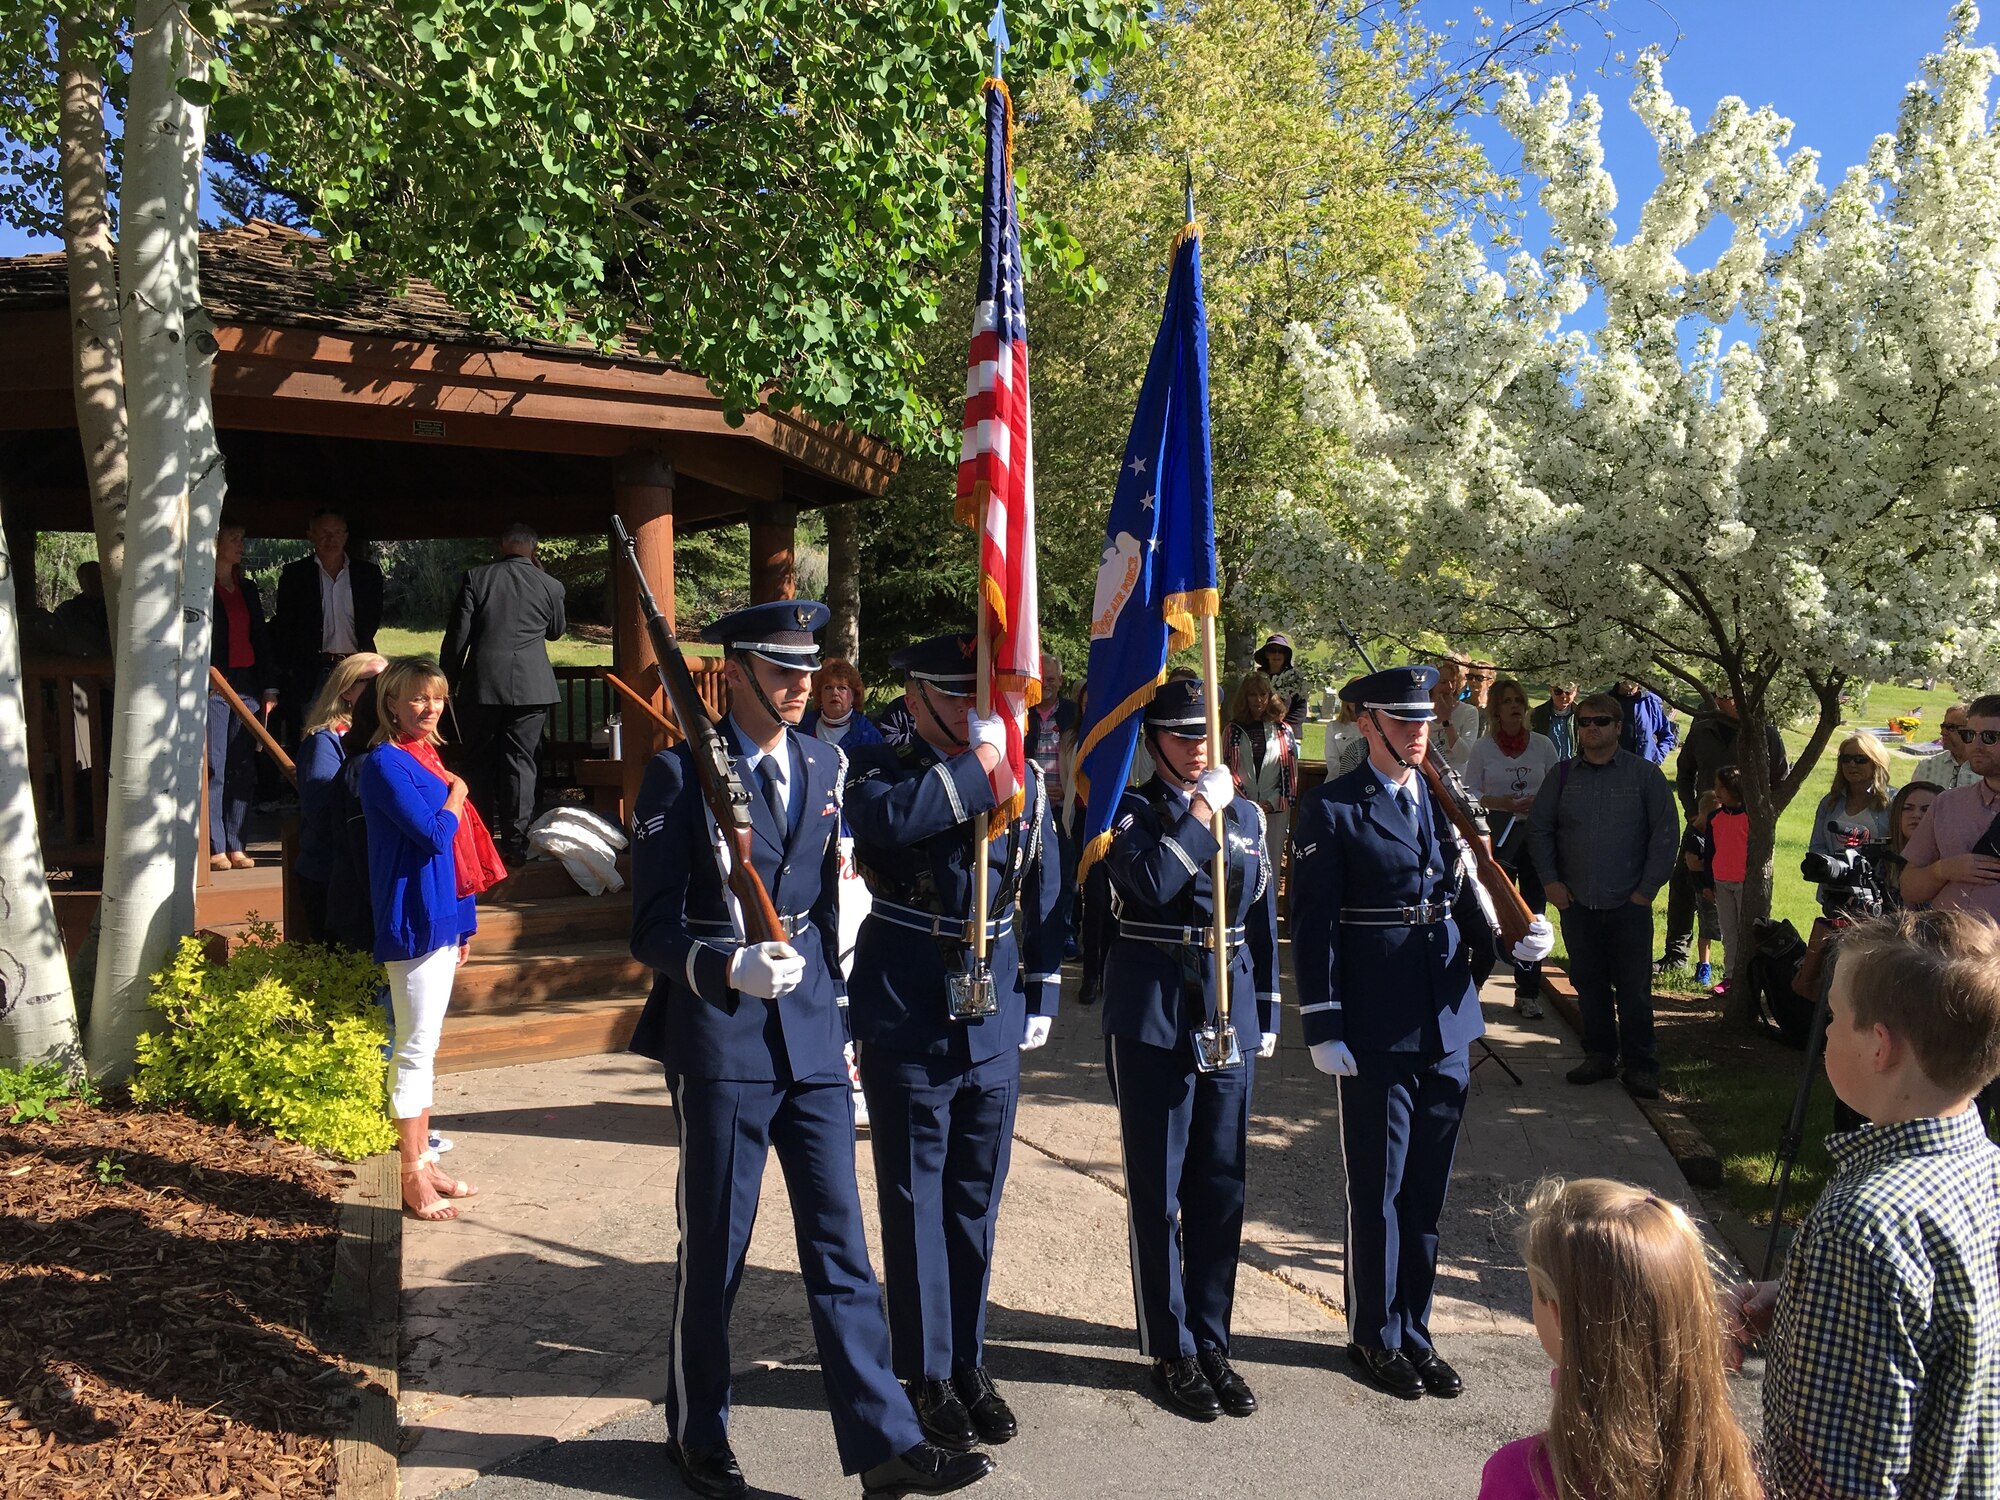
(1625, 1306)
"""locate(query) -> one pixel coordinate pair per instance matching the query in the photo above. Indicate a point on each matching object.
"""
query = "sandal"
(451, 1187)
(430, 1210)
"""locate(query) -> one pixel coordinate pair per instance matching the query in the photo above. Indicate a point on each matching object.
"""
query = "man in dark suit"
(751, 1037)
(1389, 942)
(329, 607)
(496, 659)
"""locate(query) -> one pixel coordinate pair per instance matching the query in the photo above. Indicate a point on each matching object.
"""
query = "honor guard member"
(940, 1040)
(1184, 1128)
(1388, 943)
(751, 1037)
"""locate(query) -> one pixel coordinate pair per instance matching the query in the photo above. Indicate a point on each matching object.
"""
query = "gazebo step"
(233, 896)
(537, 1032)
(491, 982)
(554, 922)
(544, 879)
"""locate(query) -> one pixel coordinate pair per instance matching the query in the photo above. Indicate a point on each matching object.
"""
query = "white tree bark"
(96, 360)
(147, 797)
(37, 1010)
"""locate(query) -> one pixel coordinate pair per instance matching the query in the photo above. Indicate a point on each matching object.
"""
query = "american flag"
(996, 464)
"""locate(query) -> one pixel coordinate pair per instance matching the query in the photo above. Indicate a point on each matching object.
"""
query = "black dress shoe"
(1640, 1084)
(1387, 1370)
(1231, 1389)
(925, 1470)
(1439, 1378)
(941, 1414)
(1593, 1069)
(708, 1471)
(1187, 1390)
(991, 1416)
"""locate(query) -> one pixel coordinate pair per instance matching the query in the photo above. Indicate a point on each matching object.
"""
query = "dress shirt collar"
(1858, 1151)
(779, 756)
(1393, 786)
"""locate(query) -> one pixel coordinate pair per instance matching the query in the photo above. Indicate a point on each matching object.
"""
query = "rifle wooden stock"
(721, 788)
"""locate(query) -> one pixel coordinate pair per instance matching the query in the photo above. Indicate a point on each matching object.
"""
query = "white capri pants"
(419, 991)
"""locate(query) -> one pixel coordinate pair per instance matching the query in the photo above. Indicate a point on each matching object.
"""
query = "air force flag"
(1158, 572)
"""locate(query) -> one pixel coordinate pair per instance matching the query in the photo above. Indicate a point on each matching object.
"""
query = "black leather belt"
(1419, 915)
(936, 924)
(1168, 935)
(791, 923)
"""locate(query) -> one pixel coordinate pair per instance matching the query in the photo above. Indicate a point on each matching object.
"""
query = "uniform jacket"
(495, 647)
(694, 1022)
(1157, 868)
(300, 624)
(411, 871)
(1382, 989)
(911, 813)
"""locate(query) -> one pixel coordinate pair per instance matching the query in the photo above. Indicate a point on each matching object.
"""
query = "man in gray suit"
(497, 663)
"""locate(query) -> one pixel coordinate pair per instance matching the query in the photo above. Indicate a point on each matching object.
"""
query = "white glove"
(1538, 944)
(1037, 1033)
(1334, 1058)
(766, 970)
(1268, 1048)
(991, 731)
(1216, 787)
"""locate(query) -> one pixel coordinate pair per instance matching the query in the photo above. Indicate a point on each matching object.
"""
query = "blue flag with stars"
(1158, 572)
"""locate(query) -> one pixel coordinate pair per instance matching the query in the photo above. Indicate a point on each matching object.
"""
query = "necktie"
(774, 795)
(1406, 805)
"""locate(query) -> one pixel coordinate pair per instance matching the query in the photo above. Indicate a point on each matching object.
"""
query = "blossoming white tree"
(1774, 474)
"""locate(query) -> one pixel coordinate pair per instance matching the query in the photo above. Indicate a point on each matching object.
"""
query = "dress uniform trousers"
(1184, 1135)
(1399, 1120)
(727, 1129)
(942, 1134)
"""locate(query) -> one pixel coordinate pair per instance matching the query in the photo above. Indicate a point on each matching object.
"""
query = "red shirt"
(236, 623)
(1729, 838)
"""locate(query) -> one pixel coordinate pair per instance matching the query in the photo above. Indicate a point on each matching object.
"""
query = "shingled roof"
(265, 273)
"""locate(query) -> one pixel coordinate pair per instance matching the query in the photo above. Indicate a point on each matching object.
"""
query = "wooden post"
(643, 495)
(772, 573)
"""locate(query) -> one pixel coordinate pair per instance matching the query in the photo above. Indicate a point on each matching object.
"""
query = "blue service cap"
(1399, 692)
(781, 631)
(948, 663)
(1179, 708)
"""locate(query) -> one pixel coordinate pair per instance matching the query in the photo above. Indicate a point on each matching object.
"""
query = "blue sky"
(1837, 68)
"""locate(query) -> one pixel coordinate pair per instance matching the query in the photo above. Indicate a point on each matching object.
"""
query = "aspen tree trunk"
(37, 1010)
(843, 582)
(97, 372)
(147, 797)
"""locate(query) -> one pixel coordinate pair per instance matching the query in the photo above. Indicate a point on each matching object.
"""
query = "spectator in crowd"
(1949, 767)
(83, 618)
(1344, 748)
(239, 648)
(1697, 863)
(496, 661)
(1712, 742)
(1274, 660)
(350, 904)
(1504, 771)
(1556, 718)
(428, 859)
(1626, 1308)
(898, 722)
(836, 715)
(1953, 860)
(1050, 727)
(1457, 728)
(1479, 679)
(1729, 867)
(1262, 757)
(1882, 1338)
(1857, 806)
(1603, 836)
(329, 607)
(322, 758)
(1907, 813)
(1649, 726)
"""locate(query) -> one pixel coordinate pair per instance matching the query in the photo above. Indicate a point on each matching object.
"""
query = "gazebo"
(400, 412)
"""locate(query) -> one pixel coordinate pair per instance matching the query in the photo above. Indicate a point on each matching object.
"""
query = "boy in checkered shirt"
(1883, 1373)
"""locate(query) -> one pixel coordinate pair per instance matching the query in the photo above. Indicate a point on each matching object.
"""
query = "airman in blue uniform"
(1184, 1128)
(939, 1040)
(1388, 940)
(751, 1038)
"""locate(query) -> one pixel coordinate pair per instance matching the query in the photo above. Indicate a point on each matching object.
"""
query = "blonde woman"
(1857, 807)
(1261, 753)
(321, 757)
(1625, 1306)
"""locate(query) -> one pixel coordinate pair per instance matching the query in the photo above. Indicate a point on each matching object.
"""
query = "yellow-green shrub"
(284, 1036)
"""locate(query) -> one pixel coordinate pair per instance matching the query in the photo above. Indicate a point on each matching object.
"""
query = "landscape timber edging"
(361, 1321)
(1697, 1159)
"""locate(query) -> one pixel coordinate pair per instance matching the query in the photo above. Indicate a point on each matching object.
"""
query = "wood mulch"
(154, 1328)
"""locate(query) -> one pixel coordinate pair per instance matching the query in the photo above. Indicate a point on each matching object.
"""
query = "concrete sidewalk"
(541, 1315)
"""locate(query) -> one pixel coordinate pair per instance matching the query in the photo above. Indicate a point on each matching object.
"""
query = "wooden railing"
(68, 705)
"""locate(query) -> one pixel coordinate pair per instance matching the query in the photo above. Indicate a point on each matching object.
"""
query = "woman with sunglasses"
(1953, 860)
(1857, 805)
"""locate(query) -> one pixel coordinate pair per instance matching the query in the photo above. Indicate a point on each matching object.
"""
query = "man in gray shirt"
(1603, 834)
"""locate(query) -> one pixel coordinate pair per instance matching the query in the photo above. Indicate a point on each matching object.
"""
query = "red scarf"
(1513, 746)
(472, 852)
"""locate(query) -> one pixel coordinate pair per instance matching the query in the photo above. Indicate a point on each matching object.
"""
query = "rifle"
(721, 787)
(1465, 814)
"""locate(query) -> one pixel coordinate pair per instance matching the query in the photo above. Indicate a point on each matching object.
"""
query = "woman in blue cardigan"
(422, 925)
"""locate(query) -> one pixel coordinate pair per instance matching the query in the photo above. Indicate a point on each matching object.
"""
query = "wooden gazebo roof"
(400, 411)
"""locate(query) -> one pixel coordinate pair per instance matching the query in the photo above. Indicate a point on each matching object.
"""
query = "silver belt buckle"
(969, 993)
(1215, 1049)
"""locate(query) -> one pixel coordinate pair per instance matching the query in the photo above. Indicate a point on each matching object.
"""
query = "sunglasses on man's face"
(1596, 721)
(1977, 736)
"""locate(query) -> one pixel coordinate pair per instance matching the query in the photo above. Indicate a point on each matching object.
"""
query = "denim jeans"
(1611, 964)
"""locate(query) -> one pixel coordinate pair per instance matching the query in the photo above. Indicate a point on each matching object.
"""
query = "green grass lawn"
(570, 651)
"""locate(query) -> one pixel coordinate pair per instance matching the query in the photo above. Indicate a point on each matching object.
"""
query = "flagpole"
(983, 702)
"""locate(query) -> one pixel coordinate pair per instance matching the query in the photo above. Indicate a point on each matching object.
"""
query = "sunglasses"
(1858, 760)
(1977, 736)
(1596, 721)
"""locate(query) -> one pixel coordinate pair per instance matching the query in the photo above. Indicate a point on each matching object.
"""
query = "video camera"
(1851, 875)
